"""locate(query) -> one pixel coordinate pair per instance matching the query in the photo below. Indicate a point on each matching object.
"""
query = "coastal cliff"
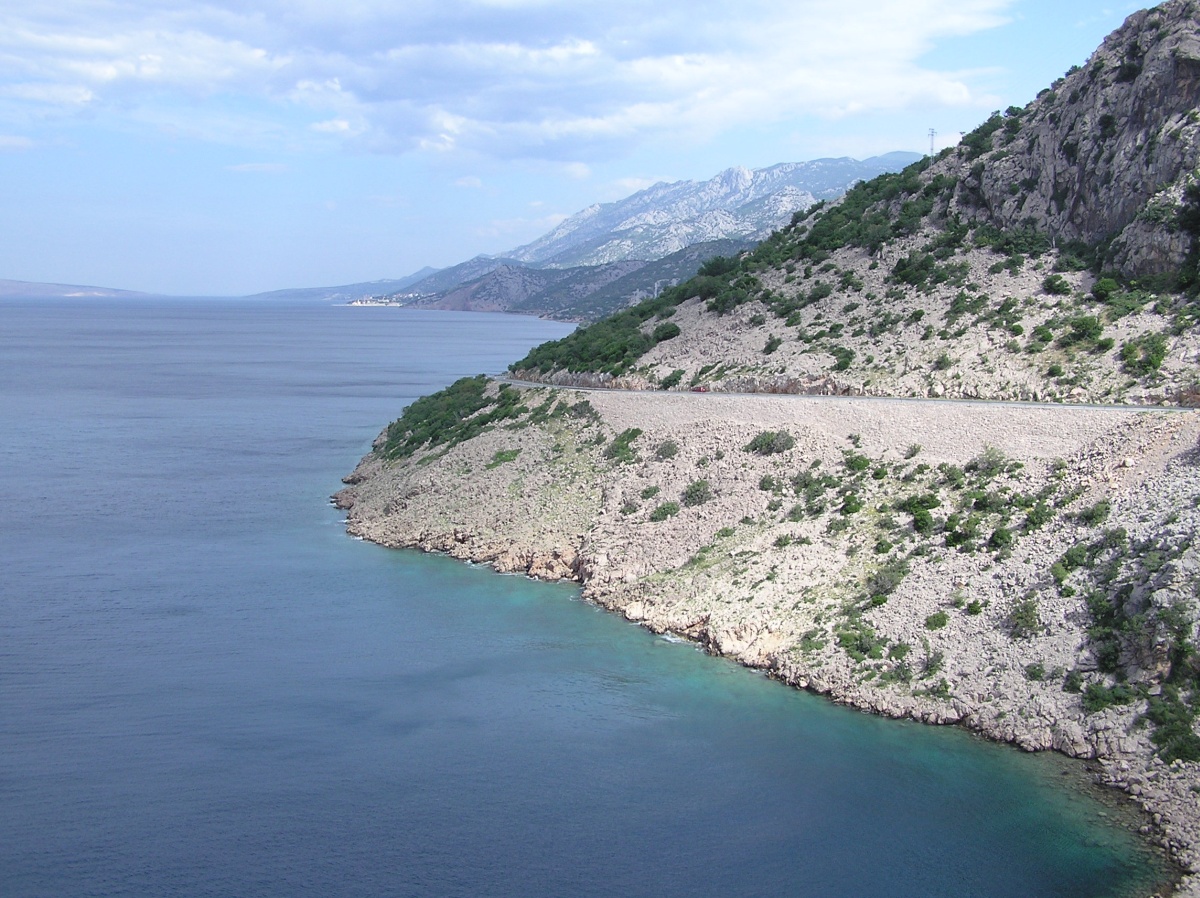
(1028, 571)
(803, 552)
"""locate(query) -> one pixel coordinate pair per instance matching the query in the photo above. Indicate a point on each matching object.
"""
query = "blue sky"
(214, 147)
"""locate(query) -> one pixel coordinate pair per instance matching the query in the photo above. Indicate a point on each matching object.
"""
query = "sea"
(208, 689)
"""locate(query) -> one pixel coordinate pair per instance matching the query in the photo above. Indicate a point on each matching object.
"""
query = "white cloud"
(470, 182)
(333, 126)
(509, 78)
(15, 142)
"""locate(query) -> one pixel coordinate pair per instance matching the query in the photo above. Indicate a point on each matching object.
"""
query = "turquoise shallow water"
(207, 688)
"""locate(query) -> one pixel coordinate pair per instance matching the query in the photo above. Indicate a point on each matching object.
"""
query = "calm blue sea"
(208, 689)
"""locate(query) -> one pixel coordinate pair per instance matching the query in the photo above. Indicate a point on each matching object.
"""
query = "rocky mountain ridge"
(667, 217)
(671, 223)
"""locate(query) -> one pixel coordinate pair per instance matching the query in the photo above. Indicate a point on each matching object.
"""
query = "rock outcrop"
(1104, 154)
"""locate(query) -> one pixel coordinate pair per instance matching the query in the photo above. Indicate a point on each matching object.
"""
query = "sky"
(228, 147)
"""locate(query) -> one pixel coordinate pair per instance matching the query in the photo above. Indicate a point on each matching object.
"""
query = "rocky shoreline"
(802, 562)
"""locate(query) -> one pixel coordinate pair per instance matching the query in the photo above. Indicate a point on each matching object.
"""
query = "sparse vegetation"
(664, 511)
(450, 416)
(621, 448)
(697, 493)
(503, 456)
(1024, 621)
(666, 449)
(771, 442)
(937, 620)
(1144, 355)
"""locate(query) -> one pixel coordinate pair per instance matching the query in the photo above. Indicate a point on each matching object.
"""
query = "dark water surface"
(206, 688)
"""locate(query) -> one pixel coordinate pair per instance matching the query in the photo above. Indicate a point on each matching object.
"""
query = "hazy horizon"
(220, 149)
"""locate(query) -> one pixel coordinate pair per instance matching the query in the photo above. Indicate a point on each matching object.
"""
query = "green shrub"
(1173, 733)
(859, 640)
(843, 357)
(1056, 285)
(1144, 355)
(668, 330)
(885, 580)
(671, 379)
(697, 493)
(1083, 329)
(1073, 682)
(1104, 288)
(667, 449)
(937, 620)
(621, 449)
(450, 416)
(773, 343)
(952, 475)
(1001, 538)
(1059, 572)
(1024, 621)
(1125, 302)
(934, 662)
(1096, 514)
(1040, 514)
(771, 442)
(664, 511)
(857, 463)
(650, 492)
(503, 456)
(922, 522)
(990, 463)
(582, 411)
(1096, 697)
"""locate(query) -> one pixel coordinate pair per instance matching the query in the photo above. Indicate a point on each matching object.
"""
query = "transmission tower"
(932, 135)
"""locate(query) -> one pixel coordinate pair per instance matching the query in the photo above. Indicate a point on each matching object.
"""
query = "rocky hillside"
(1029, 571)
(583, 293)
(737, 203)
(1051, 255)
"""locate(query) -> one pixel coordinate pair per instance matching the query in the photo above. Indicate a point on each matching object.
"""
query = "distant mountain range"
(613, 254)
(581, 293)
(663, 219)
(605, 257)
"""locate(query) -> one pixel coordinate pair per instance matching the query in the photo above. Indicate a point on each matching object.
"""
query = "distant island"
(32, 290)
